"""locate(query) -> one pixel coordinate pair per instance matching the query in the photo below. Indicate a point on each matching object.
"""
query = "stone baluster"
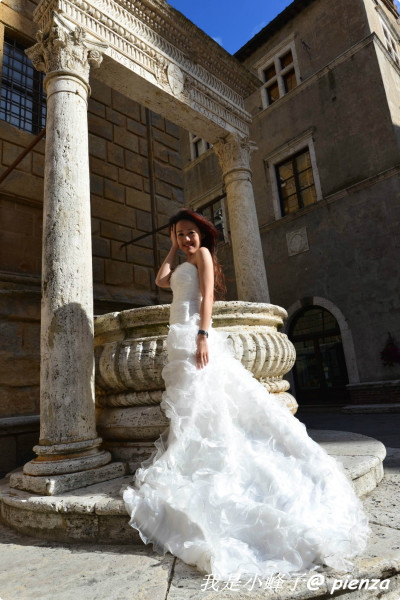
(68, 453)
(233, 154)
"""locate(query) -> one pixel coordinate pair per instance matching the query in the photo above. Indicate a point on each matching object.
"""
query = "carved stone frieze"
(61, 49)
(131, 349)
(234, 152)
(159, 23)
(160, 45)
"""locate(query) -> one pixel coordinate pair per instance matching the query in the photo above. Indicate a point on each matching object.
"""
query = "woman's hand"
(202, 351)
(163, 278)
(173, 237)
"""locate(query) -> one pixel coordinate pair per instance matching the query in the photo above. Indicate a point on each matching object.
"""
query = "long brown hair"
(210, 241)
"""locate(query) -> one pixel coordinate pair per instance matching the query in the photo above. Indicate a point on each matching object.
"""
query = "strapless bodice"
(187, 297)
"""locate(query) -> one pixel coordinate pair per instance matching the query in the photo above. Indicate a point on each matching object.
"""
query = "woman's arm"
(164, 274)
(206, 277)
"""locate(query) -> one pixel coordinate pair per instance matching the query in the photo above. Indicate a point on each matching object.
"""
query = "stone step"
(97, 513)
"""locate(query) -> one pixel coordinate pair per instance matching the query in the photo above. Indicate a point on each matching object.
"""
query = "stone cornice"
(199, 47)
(158, 43)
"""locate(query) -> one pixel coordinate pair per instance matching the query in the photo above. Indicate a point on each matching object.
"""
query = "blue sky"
(230, 22)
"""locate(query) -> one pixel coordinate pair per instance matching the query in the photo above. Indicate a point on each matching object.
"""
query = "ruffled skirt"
(235, 484)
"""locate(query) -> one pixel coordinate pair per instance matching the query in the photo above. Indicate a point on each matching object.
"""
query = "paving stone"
(39, 570)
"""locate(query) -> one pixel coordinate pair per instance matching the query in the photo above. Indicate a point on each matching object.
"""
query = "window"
(296, 182)
(198, 146)
(391, 44)
(279, 76)
(23, 101)
(215, 212)
(293, 174)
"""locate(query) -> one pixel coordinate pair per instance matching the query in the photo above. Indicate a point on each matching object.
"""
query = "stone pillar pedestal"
(68, 451)
(234, 156)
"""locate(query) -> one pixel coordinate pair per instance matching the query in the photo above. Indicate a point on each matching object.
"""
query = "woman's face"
(188, 236)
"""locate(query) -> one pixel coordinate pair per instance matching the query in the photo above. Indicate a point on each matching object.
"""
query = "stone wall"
(352, 232)
(345, 100)
(136, 183)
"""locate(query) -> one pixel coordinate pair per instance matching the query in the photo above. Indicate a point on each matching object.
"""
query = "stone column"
(68, 451)
(233, 154)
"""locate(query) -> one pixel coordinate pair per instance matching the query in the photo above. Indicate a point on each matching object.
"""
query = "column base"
(60, 465)
(53, 485)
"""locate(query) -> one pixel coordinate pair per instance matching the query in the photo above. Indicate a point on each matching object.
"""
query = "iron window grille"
(23, 100)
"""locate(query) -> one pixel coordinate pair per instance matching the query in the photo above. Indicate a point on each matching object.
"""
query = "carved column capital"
(233, 153)
(63, 49)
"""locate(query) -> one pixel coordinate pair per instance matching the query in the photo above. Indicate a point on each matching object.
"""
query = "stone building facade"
(136, 184)
(329, 80)
(327, 191)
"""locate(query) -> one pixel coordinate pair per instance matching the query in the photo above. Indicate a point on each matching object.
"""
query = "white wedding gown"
(235, 485)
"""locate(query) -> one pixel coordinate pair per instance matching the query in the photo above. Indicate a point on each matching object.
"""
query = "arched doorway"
(320, 373)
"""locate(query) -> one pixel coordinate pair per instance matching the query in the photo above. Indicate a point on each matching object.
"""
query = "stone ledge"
(97, 512)
(13, 425)
(371, 408)
(51, 485)
(370, 385)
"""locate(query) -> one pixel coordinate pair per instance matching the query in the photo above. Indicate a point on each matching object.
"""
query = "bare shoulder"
(203, 256)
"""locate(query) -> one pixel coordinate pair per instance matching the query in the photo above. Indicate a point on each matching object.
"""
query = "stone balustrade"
(130, 350)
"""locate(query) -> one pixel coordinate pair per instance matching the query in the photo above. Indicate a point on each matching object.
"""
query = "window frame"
(296, 177)
(196, 141)
(221, 197)
(273, 59)
(389, 39)
(285, 152)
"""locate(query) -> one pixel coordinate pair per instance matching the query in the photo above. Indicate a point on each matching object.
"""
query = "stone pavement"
(38, 570)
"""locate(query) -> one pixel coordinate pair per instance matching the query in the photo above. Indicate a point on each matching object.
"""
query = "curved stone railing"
(130, 349)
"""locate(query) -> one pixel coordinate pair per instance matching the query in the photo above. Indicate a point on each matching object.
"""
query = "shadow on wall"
(70, 375)
(19, 373)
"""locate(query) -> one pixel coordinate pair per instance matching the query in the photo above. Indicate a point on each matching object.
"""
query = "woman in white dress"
(235, 485)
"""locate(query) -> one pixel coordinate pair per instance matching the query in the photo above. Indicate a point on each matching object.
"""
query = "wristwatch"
(202, 332)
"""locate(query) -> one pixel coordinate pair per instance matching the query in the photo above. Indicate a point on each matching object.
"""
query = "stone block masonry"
(20, 266)
(129, 164)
